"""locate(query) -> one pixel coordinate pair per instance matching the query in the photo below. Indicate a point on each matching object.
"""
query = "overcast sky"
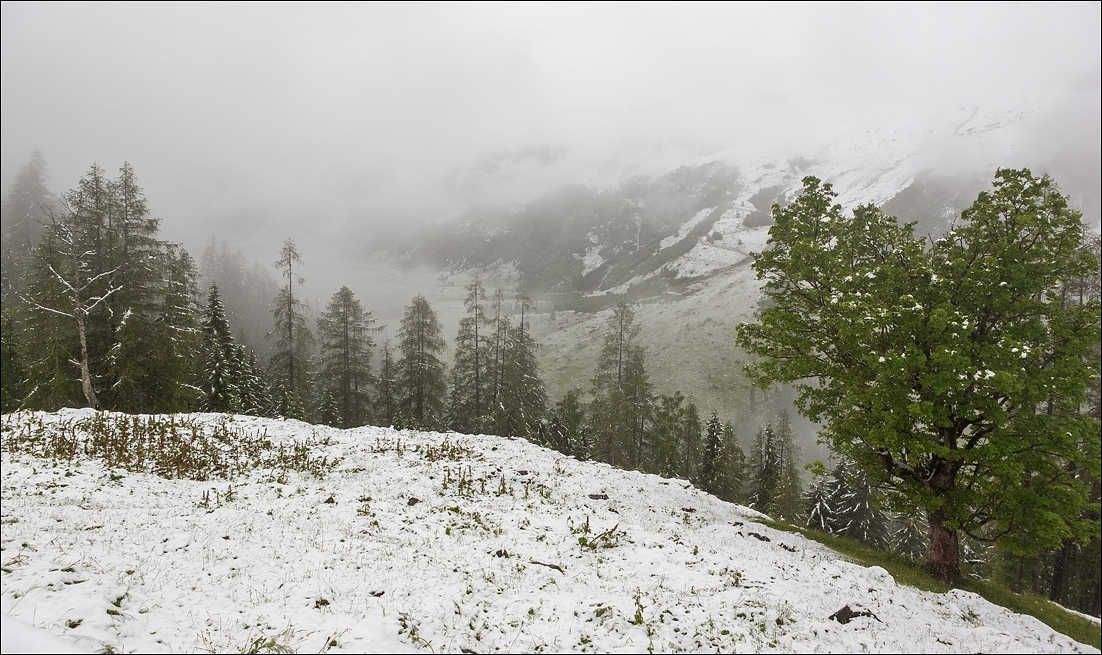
(240, 116)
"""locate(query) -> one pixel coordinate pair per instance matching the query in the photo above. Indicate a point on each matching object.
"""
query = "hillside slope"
(416, 541)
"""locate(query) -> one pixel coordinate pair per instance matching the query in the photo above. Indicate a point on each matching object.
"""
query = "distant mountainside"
(680, 246)
(653, 236)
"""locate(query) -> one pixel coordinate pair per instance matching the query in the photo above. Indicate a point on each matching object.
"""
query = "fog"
(338, 124)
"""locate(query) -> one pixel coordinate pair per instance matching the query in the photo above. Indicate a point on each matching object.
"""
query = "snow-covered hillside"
(422, 541)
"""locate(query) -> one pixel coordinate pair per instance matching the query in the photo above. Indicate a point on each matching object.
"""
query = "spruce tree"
(420, 370)
(223, 376)
(109, 295)
(256, 397)
(765, 469)
(713, 456)
(818, 505)
(345, 366)
(567, 429)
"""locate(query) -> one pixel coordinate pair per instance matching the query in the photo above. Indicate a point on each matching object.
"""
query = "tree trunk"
(943, 557)
(85, 372)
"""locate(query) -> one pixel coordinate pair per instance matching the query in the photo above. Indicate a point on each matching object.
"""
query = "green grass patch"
(911, 573)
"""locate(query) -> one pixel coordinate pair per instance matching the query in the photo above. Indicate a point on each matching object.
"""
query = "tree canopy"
(952, 372)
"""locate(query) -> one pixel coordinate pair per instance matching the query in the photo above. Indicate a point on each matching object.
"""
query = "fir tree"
(566, 430)
(908, 536)
(256, 397)
(420, 371)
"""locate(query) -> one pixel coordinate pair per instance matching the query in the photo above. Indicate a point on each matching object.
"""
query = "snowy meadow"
(215, 533)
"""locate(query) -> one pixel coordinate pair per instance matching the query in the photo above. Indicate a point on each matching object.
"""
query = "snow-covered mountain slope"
(435, 542)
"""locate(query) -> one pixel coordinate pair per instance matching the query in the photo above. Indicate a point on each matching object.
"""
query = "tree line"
(933, 413)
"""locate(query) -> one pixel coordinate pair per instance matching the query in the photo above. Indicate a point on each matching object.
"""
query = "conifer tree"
(472, 376)
(765, 469)
(65, 288)
(908, 536)
(818, 505)
(732, 469)
(711, 463)
(386, 388)
(567, 431)
(222, 375)
(789, 493)
(24, 214)
(256, 397)
(294, 341)
(13, 380)
(420, 370)
(859, 515)
(109, 296)
(621, 393)
(520, 399)
(346, 346)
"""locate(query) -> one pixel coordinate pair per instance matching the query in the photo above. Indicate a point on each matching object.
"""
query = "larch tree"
(345, 330)
(621, 393)
(294, 340)
(520, 400)
(472, 374)
(948, 373)
(421, 372)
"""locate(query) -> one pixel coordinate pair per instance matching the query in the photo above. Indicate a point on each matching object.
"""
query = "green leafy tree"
(934, 368)
(420, 372)
(345, 366)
